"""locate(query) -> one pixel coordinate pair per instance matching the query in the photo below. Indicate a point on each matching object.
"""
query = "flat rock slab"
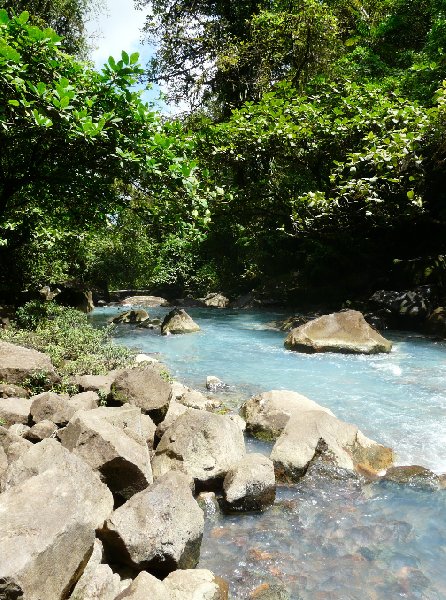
(346, 332)
(267, 414)
(310, 434)
(150, 301)
(157, 530)
(202, 444)
(18, 364)
(15, 410)
(47, 525)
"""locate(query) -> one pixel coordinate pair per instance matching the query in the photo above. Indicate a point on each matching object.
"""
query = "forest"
(310, 155)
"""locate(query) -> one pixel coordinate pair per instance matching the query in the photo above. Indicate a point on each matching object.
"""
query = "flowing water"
(325, 540)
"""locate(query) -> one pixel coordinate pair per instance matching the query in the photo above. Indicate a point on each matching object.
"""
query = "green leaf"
(125, 57)
(14, 102)
(134, 58)
(23, 17)
(410, 194)
(4, 18)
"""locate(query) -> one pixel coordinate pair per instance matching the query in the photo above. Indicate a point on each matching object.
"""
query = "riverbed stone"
(250, 485)
(122, 460)
(131, 316)
(195, 584)
(41, 431)
(17, 364)
(15, 410)
(267, 413)
(345, 332)
(47, 526)
(414, 476)
(19, 429)
(436, 322)
(49, 406)
(311, 433)
(157, 530)
(146, 388)
(214, 384)
(195, 399)
(203, 444)
(178, 322)
(175, 410)
(12, 447)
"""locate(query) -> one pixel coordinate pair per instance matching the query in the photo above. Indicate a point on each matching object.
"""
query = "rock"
(312, 433)
(150, 301)
(145, 358)
(131, 316)
(203, 444)
(195, 399)
(100, 384)
(9, 390)
(215, 301)
(145, 388)
(84, 401)
(47, 294)
(41, 431)
(250, 484)
(178, 321)
(49, 406)
(47, 524)
(145, 587)
(271, 591)
(15, 410)
(157, 530)
(238, 420)
(148, 430)
(214, 384)
(98, 582)
(267, 414)
(295, 321)
(122, 461)
(195, 584)
(346, 332)
(244, 301)
(175, 410)
(406, 307)
(12, 447)
(436, 323)
(18, 364)
(19, 429)
(76, 298)
(414, 476)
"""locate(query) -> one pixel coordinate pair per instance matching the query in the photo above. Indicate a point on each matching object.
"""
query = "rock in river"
(345, 331)
(178, 321)
(250, 484)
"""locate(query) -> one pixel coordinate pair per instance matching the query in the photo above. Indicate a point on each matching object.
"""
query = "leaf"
(3, 16)
(410, 194)
(23, 17)
(134, 58)
(125, 57)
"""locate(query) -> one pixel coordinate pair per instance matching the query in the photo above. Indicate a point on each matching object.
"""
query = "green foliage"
(74, 345)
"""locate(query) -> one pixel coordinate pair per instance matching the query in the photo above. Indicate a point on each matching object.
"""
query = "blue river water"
(325, 540)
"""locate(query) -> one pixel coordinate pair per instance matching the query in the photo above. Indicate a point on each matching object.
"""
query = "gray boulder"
(157, 530)
(98, 582)
(119, 455)
(215, 300)
(195, 584)
(203, 444)
(41, 431)
(100, 384)
(250, 484)
(18, 364)
(215, 384)
(145, 388)
(415, 476)
(49, 406)
(9, 390)
(131, 316)
(150, 301)
(84, 401)
(346, 332)
(47, 525)
(175, 410)
(12, 447)
(145, 587)
(308, 435)
(178, 321)
(19, 429)
(195, 399)
(15, 410)
(267, 414)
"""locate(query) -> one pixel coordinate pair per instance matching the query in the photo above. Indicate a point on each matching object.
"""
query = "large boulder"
(49, 406)
(12, 447)
(100, 384)
(311, 433)
(250, 484)
(267, 414)
(98, 582)
(18, 364)
(131, 316)
(148, 388)
(345, 331)
(415, 476)
(157, 530)
(150, 301)
(145, 587)
(175, 410)
(84, 401)
(15, 410)
(122, 460)
(203, 444)
(9, 390)
(48, 522)
(41, 431)
(215, 300)
(406, 308)
(178, 321)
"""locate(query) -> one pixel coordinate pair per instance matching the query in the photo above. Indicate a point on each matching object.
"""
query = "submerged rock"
(267, 414)
(195, 584)
(346, 332)
(312, 433)
(157, 530)
(214, 384)
(250, 485)
(414, 476)
(178, 321)
(202, 444)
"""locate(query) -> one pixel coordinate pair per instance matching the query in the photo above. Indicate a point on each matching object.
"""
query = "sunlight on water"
(325, 540)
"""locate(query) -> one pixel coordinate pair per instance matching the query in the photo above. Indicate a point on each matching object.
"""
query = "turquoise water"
(325, 540)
